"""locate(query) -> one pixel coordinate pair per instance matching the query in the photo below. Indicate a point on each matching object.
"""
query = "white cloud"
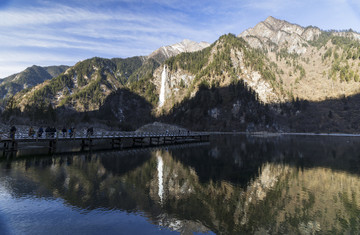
(58, 14)
(36, 26)
(51, 32)
(77, 29)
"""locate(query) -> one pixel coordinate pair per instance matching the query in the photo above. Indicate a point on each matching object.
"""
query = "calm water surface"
(232, 185)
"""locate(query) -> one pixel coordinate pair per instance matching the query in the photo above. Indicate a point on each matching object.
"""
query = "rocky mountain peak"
(274, 32)
(189, 46)
(274, 23)
(165, 52)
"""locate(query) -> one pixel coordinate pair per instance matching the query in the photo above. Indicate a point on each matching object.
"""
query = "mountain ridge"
(277, 32)
(281, 68)
(304, 56)
(30, 77)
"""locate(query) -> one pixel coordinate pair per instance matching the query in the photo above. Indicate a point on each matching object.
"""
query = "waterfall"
(160, 166)
(162, 88)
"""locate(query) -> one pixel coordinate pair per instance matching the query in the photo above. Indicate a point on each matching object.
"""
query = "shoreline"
(273, 134)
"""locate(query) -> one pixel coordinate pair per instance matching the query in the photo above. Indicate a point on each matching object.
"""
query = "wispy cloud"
(43, 32)
(59, 14)
(111, 33)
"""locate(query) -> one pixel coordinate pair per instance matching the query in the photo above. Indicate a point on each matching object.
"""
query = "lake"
(235, 184)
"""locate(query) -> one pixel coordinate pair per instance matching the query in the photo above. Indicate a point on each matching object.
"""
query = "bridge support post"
(52, 146)
(86, 143)
(14, 145)
(82, 145)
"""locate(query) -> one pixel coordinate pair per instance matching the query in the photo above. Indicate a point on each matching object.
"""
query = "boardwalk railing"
(97, 135)
(118, 140)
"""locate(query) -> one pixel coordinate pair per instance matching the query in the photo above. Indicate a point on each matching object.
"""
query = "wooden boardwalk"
(118, 140)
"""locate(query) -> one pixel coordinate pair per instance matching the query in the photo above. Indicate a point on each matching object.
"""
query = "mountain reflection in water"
(236, 184)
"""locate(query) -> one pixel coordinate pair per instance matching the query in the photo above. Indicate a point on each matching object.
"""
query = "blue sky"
(45, 32)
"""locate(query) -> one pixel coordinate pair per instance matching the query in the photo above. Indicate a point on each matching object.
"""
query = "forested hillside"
(28, 78)
(276, 76)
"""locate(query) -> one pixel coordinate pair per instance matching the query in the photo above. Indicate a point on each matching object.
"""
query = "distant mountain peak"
(186, 41)
(29, 77)
(270, 18)
(274, 21)
(185, 45)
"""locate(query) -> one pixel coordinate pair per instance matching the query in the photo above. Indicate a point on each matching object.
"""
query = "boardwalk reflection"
(286, 185)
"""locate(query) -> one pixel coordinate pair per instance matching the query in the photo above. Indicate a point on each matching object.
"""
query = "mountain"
(296, 73)
(35, 75)
(274, 76)
(83, 87)
(273, 34)
(143, 81)
(309, 63)
(227, 60)
(28, 78)
(303, 63)
(86, 85)
(165, 52)
(210, 89)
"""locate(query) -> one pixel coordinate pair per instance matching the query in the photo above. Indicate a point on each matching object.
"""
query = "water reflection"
(236, 184)
(160, 169)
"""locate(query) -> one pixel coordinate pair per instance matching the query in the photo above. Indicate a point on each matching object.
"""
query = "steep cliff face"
(171, 85)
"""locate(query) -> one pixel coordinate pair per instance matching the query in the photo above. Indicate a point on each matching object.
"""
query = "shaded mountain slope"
(235, 107)
(332, 115)
(126, 109)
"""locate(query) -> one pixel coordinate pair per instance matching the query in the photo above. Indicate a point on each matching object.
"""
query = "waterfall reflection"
(160, 177)
(234, 185)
